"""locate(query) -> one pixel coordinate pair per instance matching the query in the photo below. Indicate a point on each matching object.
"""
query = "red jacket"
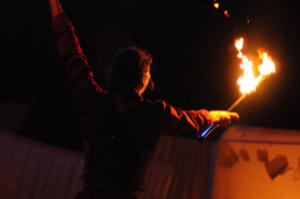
(118, 145)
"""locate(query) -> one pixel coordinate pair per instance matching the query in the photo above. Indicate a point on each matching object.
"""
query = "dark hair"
(126, 72)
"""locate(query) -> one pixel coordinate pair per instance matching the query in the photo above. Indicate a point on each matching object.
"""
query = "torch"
(248, 82)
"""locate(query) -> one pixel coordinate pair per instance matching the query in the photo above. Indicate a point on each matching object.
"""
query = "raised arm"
(56, 8)
(84, 90)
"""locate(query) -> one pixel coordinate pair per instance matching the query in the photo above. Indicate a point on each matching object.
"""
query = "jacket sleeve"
(175, 121)
(84, 90)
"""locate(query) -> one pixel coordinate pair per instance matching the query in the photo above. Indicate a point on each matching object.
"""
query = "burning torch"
(248, 82)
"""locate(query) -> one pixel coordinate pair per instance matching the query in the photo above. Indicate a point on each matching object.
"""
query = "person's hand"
(223, 118)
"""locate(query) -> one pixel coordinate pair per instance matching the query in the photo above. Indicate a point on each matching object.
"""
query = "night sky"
(192, 43)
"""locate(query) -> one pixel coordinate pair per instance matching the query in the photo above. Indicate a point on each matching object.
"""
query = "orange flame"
(239, 44)
(267, 65)
(248, 82)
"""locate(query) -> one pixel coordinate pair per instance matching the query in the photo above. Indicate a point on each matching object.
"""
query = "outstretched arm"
(84, 90)
(172, 120)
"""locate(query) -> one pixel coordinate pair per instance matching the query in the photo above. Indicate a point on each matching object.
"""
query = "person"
(120, 128)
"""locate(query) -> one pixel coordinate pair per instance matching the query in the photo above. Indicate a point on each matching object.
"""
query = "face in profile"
(146, 79)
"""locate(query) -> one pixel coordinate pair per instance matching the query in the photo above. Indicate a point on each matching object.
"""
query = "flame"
(239, 44)
(248, 82)
(267, 65)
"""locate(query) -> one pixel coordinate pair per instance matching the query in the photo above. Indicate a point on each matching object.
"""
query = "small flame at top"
(239, 44)
(248, 82)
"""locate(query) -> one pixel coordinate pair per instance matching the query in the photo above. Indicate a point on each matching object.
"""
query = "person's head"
(129, 74)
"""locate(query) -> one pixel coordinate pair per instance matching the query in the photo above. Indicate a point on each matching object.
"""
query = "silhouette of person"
(120, 127)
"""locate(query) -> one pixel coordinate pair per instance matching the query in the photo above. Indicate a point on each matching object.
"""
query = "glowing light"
(247, 20)
(226, 13)
(239, 43)
(248, 81)
(267, 65)
(216, 5)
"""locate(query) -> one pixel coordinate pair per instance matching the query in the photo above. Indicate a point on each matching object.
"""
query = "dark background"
(192, 43)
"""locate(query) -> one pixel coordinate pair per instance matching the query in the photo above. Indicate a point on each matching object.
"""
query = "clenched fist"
(223, 118)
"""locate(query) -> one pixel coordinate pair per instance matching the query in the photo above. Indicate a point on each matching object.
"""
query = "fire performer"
(120, 127)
